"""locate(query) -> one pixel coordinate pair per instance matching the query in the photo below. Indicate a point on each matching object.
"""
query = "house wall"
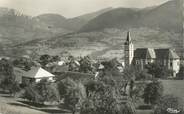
(175, 66)
(48, 78)
(27, 80)
(18, 76)
(18, 79)
(143, 62)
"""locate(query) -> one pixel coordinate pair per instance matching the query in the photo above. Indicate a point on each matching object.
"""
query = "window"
(171, 64)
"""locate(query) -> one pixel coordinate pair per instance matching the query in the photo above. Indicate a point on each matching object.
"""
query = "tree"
(143, 75)
(180, 74)
(72, 92)
(41, 92)
(72, 64)
(104, 98)
(87, 107)
(93, 87)
(31, 94)
(169, 104)
(23, 63)
(131, 72)
(47, 90)
(158, 71)
(44, 60)
(14, 88)
(86, 65)
(153, 92)
(7, 80)
(154, 69)
(55, 58)
(111, 67)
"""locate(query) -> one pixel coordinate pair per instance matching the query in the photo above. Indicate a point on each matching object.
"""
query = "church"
(166, 57)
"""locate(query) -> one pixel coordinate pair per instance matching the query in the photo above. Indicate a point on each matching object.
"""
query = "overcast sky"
(72, 8)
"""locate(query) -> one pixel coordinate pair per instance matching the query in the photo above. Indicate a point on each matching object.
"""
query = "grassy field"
(174, 87)
(10, 105)
(144, 112)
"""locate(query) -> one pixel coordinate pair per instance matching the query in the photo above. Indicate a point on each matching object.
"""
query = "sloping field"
(174, 87)
(9, 105)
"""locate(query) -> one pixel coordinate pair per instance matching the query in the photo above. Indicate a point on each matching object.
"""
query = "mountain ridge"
(165, 16)
(163, 32)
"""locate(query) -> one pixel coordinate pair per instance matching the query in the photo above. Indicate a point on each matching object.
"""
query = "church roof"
(144, 53)
(166, 54)
(128, 39)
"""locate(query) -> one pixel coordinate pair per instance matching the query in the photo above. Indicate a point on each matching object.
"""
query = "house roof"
(58, 68)
(35, 72)
(144, 53)
(166, 54)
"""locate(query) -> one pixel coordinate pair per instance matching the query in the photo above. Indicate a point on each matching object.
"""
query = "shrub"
(73, 94)
(32, 94)
(47, 90)
(153, 92)
(169, 104)
(110, 106)
(104, 98)
(41, 92)
(180, 74)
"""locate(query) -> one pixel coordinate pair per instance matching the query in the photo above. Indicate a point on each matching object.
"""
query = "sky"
(72, 8)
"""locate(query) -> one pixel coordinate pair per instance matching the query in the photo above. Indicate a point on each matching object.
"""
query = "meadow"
(174, 87)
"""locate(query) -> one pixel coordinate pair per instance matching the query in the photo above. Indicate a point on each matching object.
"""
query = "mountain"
(52, 20)
(77, 22)
(116, 18)
(104, 35)
(167, 16)
(72, 24)
(16, 27)
(92, 15)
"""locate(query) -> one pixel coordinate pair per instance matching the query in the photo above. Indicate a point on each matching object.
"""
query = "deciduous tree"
(153, 92)
(169, 104)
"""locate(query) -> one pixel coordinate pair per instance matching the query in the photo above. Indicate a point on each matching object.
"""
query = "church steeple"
(128, 50)
(128, 37)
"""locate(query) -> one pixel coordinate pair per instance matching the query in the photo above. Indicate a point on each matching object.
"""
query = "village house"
(34, 75)
(167, 58)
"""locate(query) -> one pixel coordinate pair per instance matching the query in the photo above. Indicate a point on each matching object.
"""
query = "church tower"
(128, 50)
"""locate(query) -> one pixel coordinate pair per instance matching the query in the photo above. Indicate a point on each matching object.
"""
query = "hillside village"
(48, 80)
